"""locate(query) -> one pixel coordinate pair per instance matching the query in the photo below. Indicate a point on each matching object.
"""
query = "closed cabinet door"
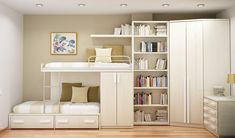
(178, 72)
(125, 99)
(108, 99)
(194, 73)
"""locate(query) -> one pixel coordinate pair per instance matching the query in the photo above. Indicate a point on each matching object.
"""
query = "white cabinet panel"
(194, 73)
(125, 99)
(216, 55)
(178, 72)
(108, 99)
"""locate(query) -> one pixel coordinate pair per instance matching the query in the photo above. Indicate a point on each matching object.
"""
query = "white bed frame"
(56, 121)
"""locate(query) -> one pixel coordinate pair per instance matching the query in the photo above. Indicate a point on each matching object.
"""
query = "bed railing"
(115, 59)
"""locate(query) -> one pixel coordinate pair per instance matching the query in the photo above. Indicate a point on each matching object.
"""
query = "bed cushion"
(117, 50)
(66, 94)
(103, 55)
(79, 94)
(93, 94)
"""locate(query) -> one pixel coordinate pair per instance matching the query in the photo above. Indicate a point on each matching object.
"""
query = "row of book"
(161, 64)
(161, 115)
(141, 116)
(153, 46)
(141, 98)
(161, 29)
(164, 99)
(142, 63)
(125, 29)
(151, 81)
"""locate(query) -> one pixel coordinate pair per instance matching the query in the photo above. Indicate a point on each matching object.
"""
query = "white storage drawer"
(77, 121)
(31, 121)
(210, 103)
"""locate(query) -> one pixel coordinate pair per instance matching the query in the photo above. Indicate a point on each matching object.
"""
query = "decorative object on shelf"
(125, 29)
(160, 30)
(143, 30)
(153, 46)
(164, 98)
(141, 116)
(231, 78)
(142, 64)
(218, 90)
(63, 43)
(151, 81)
(161, 115)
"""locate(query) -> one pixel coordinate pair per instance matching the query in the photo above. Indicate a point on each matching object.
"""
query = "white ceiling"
(113, 6)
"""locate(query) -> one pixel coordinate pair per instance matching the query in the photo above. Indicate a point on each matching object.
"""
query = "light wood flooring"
(136, 132)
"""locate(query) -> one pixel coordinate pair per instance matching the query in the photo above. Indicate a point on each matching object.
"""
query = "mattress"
(79, 108)
(36, 107)
(83, 66)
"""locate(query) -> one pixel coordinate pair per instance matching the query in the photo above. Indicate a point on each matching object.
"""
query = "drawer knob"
(45, 121)
(89, 121)
(18, 121)
(63, 121)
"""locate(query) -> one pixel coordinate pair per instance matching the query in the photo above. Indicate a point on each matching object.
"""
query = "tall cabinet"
(192, 54)
(116, 99)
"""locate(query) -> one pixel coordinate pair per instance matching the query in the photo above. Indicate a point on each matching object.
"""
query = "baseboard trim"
(187, 125)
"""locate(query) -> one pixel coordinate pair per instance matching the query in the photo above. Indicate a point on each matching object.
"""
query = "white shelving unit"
(109, 36)
(156, 91)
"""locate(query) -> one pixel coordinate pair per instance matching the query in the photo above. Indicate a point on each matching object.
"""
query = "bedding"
(36, 107)
(79, 108)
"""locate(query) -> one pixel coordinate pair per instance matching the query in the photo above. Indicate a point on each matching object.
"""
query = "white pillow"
(79, 94)
(103, 55)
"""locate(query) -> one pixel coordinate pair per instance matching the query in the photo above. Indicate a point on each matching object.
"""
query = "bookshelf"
(150, 47)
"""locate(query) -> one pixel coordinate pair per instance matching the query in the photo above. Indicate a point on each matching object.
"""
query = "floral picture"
(63, 43)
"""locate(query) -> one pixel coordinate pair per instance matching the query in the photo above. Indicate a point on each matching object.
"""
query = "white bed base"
(54, 121)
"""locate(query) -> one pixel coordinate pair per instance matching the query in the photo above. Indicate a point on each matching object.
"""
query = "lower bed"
(31, 114)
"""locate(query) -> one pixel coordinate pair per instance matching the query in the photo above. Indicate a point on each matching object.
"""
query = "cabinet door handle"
(63, 121)
(188, 100)
(118, 78)
(185, 100)
(115, 78)
(45, 121)
(18, 121)
(89, 121)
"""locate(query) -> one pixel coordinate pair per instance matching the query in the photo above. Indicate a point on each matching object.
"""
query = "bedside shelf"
(149, 53)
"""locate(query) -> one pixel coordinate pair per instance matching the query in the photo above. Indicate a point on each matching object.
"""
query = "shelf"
(150, 36)
(151, 123)
(152, 70)
(151, 88)
(109, 36)
(149, 53)
(151, 105)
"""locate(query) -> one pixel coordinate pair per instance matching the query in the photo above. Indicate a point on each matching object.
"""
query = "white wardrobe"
(199, 60)
(116, 99)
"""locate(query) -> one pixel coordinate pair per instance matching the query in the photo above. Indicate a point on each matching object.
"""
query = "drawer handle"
(18, 121)
(89, 121)
(63, 121)
(45, 121)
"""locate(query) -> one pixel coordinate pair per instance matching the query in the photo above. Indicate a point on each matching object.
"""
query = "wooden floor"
(136, 132)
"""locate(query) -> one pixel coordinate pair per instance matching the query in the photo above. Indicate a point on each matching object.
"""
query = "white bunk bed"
(55, 114)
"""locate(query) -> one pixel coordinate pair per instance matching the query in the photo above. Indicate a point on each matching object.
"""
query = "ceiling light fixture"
(39, 5)
(81, 5)
(201, 5)
(123, 5)
(165, 5)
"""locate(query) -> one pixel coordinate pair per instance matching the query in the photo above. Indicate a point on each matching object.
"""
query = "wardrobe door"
(216, 54)
(178, 72)
(108, 99)
(194, 73)
(125, 99)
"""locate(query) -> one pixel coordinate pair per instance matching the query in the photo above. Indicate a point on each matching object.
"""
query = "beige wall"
(37, 31)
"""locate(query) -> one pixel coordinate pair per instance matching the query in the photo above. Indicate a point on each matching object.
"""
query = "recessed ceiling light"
(201, 5)
(123, 5)
(81, 5)
(165, 5)
(39, 5)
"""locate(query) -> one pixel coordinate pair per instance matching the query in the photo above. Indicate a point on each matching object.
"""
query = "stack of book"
(141, 98)
(164, 99)
(153, 47)
(141, 116)
(125, 29)
(161, 64)
(143, 29)
(151, 81)
(161, 115)
(161, 29)
(142, 64)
